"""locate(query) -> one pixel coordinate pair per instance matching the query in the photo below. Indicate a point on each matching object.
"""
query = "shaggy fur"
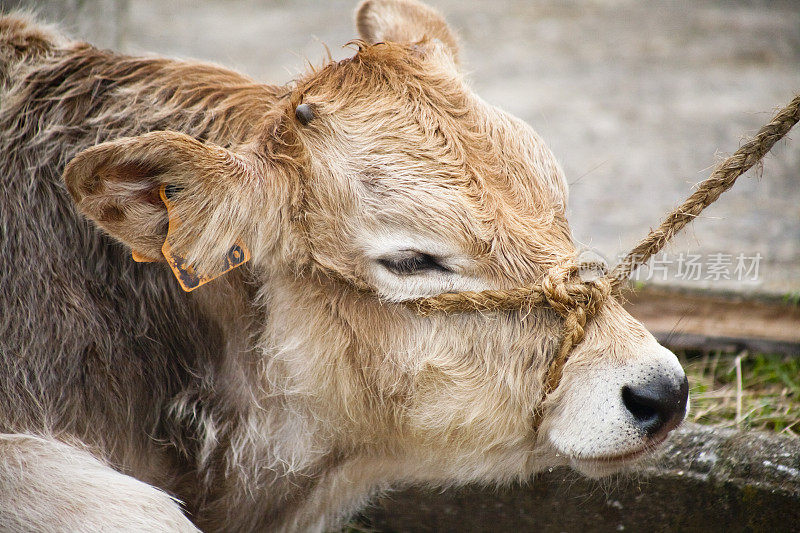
(281, 396)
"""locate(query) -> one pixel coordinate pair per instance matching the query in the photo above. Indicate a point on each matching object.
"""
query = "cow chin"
(609, 419)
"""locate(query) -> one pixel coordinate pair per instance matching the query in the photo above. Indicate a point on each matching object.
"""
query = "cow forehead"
(404, 122)
(407, 113)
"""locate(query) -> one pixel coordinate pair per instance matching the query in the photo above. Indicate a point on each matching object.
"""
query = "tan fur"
(403, 21)
(75, 479)
(282, 396)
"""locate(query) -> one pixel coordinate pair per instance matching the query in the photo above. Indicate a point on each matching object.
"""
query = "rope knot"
(568, 293)
(576, 300)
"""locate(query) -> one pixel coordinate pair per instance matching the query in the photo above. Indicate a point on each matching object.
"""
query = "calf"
(286, 392)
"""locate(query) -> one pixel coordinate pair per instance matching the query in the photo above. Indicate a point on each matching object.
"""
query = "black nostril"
(657, 404)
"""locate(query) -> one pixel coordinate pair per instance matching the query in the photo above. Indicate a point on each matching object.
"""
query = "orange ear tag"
(141, 258)
(186, 275)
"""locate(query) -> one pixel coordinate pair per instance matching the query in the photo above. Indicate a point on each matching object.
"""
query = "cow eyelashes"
(409, 262)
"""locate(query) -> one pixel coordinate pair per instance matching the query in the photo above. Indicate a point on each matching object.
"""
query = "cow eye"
(410, 262)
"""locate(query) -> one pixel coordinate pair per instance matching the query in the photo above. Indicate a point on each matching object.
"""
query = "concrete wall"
(707, 480)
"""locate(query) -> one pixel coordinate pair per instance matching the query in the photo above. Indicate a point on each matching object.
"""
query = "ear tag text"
(188, 278)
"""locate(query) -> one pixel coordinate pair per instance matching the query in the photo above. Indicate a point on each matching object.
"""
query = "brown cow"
(285, 393)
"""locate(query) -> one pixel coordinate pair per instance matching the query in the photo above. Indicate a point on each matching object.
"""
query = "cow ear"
(125, 186)
(403, 21)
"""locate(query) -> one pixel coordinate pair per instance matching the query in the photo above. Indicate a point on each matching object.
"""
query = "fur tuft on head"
(403, 21)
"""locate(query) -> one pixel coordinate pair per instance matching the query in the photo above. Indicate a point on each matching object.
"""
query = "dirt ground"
(637, 99)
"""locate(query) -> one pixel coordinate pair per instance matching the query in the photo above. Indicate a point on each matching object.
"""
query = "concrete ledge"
(706, 479)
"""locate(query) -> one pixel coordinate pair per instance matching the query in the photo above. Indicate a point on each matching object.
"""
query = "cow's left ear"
(403, 21)
(126, 185)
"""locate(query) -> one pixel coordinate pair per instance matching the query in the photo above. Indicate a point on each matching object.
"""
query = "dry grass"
(749, 391)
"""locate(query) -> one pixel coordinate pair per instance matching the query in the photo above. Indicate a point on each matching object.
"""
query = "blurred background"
(638, 100)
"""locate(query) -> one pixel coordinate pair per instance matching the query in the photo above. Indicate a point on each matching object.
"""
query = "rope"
(577, 300)
(710, 190)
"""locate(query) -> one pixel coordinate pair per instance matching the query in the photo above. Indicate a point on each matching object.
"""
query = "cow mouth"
(603, 465)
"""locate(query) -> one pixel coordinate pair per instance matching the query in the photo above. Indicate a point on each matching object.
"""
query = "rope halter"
(578, 300)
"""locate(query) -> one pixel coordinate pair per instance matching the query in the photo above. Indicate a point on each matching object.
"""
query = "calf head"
(380, 179)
